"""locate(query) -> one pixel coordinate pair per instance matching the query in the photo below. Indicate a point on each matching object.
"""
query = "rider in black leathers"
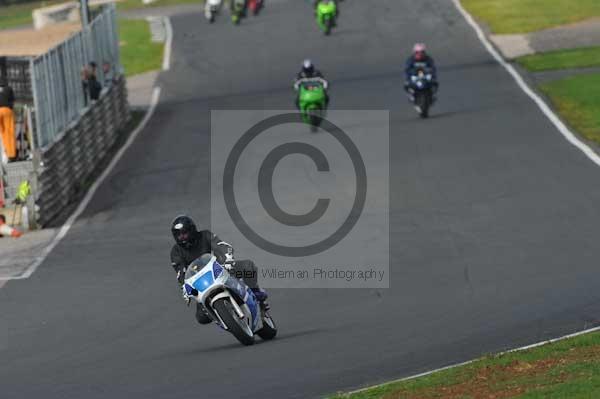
(190, 244)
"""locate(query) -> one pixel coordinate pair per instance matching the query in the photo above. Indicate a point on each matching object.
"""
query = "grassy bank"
(573, 58)
(521, 16)
(577, 99)
(16, 15)
(138, 53)
(20, 14)
(565, 369)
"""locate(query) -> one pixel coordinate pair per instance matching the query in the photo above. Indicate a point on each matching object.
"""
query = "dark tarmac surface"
(493, 225)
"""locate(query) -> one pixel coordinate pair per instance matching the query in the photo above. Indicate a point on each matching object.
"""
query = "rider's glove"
(228, 266)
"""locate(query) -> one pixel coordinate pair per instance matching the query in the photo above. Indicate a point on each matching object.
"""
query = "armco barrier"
(67, 166)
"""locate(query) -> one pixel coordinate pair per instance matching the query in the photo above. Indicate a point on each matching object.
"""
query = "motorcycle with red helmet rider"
(421, 79)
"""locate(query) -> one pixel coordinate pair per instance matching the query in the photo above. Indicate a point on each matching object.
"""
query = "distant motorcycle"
(238, 11)
(421, 90)
(255, 6)
(211, 9)
(326, 16)
(227, 300)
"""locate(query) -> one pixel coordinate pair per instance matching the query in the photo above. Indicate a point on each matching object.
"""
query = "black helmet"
(184, 231)
(308, 68)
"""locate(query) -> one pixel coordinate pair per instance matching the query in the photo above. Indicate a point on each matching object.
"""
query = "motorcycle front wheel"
(422, 102)
(236, 326)
(314, 119)
(328, 26)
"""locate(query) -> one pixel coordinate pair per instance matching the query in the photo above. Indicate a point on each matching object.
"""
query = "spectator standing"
(84, 85)
(6, 230)
(7, 119)
(109, 76)
(94, 86)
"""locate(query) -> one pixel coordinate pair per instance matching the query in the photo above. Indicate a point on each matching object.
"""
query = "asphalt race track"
(493, 225)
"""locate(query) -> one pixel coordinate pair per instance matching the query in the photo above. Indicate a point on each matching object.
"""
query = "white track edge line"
(522, 348)
(551, 115)
(168, 43)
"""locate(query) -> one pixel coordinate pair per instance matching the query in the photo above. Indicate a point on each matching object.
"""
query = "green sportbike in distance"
(312, 100)
(238, 8)
(326, 15)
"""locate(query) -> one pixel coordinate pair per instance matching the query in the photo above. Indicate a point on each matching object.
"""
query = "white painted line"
(158, 30)
(168, 43)
(562, 128)
(522, 348)
(589, 330)
(88, 197)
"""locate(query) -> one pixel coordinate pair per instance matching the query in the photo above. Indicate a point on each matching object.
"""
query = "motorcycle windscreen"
(326, 9)
(203, 267)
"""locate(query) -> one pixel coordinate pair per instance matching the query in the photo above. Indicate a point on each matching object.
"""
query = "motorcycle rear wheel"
(269, 329)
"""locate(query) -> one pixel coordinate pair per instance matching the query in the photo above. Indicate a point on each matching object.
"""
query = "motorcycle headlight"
(420, 84)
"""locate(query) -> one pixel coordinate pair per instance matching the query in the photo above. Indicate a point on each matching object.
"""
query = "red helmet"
(419, 51)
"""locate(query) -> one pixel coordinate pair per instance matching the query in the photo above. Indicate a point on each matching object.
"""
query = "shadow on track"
(235, 346)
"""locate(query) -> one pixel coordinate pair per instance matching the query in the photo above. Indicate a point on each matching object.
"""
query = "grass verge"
(19, 14)
(577, 99)
(564, 369)
(521, 16)
(563, 59)
(138, 53)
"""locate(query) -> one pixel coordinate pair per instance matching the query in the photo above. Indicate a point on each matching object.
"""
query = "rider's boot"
(261, 295)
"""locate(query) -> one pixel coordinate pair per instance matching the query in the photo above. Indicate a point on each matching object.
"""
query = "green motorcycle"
(238, 10)
(326, 14)
(312, 101)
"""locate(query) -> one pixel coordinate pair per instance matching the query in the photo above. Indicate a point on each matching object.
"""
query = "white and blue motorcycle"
(421, 91)
(227, 300)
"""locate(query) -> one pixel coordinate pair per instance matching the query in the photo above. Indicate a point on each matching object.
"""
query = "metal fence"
(16, 72)
(59, 96)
